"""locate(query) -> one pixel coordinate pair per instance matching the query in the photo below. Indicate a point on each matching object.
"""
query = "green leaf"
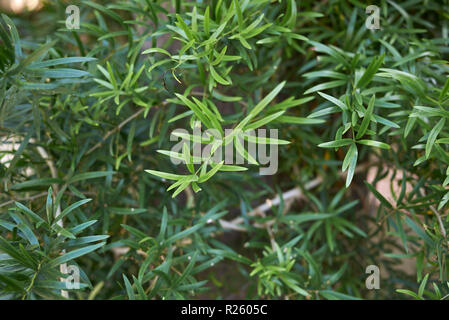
(49, 206)
(366, 118)
(59, 61)
(184, 27)
(304, 217)
(419, 231)
(378, 195)
(261, 105)
(58, 73)
(74, 254)
(70, 208)
(211, 172)
(165, 175)
(129, 289)
(206, 21)
(129, 142)
(433, 136)
(263, 121)
(334, 295)
(410, 293)
(351, 161)
(445, 90)
(158, 50)
(239, 14)
(187, 158)
(182, 234)
(335, 101)
(336, 143)
(7, 248)
(33, 56)
(299, 120)
(326, 85)
(401, 231)
(217, 77)
(29, 213)
(90, 175)
(196, 109)
(375, 64)
(422, 286)
(373, 143)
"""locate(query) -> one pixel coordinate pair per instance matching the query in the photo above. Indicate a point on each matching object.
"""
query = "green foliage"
(86, 123)
(31, 258)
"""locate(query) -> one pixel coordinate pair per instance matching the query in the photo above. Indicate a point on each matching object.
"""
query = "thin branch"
(292, 194)
(440, 222)
(295, 193)
(118, 128)
(42, 194)
(230, 225)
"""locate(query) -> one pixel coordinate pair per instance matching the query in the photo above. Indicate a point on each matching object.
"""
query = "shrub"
(87, 124)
